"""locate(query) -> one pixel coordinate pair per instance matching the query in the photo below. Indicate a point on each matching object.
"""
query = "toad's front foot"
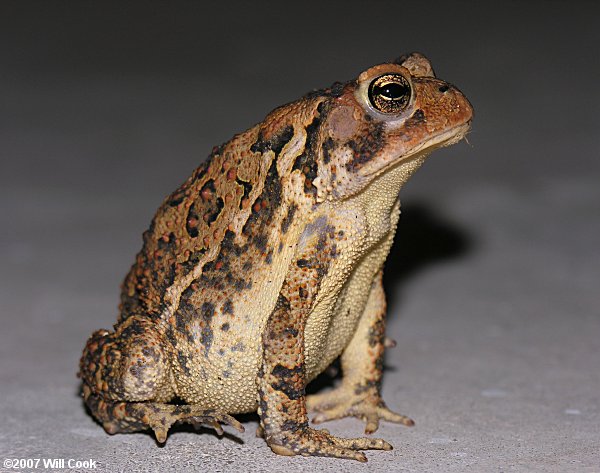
(364, 403)
(310, 442)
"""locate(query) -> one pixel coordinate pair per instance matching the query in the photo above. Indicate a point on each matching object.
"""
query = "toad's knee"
(122, 368)
(144, 368)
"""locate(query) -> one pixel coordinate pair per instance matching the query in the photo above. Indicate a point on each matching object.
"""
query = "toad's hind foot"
(162, 416)
(138, 416)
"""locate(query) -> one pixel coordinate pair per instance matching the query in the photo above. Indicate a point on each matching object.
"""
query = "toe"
(227, 419)
(362, 443)
(322, 417)
(339, 450)
(353, 455)
(391, 416)
(372, 425)
(336, 451)
(161, 434)
(319, 402)
(217, 427)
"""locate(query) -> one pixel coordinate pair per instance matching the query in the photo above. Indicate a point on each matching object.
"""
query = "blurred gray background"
(493, 281)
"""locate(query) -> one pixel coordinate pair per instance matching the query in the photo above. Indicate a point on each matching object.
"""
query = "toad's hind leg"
(127, 385)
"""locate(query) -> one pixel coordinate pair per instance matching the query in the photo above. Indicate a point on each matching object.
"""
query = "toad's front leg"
(359, 394)
(282, 379)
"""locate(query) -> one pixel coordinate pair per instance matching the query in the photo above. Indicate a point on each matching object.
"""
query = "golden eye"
(390, 93)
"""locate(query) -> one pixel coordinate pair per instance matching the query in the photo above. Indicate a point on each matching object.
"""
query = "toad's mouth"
(447, 138)
(424, 149)
(442, 140)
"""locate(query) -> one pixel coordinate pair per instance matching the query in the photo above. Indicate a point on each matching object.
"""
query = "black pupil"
(392, 91)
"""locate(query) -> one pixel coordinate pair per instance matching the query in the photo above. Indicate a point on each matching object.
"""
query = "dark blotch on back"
(307, 161)
(247, 189)
(276, 143)
(267, 203)
(228, 307)
(177, 197)
(192, 221)
(207, 310)
(335, 90)
(218, 274)
(214, 211)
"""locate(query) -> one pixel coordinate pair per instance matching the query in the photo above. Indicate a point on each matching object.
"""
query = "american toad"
(266, 265)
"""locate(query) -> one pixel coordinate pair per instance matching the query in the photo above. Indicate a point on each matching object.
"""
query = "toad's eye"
(390, 93)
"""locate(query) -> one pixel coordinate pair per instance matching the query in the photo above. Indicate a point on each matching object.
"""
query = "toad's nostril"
(444, 88)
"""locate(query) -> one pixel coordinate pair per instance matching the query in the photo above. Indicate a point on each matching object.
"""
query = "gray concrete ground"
(494, 277)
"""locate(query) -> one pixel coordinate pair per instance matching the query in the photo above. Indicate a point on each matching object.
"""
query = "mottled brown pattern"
(265, 265)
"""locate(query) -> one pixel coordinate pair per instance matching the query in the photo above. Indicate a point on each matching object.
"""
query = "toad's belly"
(216, 367)
(224, 378)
